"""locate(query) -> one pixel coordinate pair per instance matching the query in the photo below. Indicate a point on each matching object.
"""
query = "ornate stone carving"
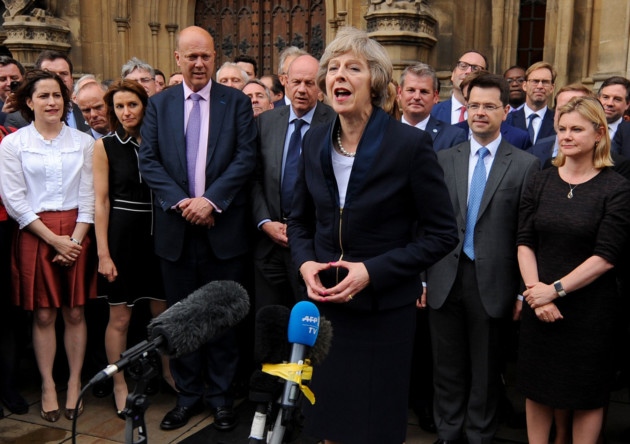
(31, 27)
(34, 8)
(402, 22)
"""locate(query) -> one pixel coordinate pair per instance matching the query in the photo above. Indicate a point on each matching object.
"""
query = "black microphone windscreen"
(319, 350)
(270, 340)
(206, 313)
(264, 387)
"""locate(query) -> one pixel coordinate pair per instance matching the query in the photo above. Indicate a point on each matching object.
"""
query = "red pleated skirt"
(40, 283)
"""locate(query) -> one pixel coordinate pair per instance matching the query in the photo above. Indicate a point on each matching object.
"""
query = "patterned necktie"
(192, 142)
(477, 185)
(291, 166)
(530, 127)
(462, 114)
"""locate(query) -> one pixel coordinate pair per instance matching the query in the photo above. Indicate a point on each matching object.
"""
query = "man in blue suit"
(197, 154)
(453, 110)
(536, 117)
(417, 94)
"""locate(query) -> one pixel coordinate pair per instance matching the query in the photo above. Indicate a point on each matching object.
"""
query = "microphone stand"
(138, 401)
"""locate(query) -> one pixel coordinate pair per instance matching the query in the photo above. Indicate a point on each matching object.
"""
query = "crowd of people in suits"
(421, 245)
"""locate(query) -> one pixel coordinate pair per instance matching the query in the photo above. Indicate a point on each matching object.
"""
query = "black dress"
(130, 231)
(567, 364)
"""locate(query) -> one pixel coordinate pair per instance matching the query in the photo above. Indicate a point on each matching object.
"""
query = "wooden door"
(263, 28)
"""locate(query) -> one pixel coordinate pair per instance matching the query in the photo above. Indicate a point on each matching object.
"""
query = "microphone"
(270, 347)
(303, 329)
(206, 313)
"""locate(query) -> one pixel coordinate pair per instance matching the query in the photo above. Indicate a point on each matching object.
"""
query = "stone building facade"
(586, 40)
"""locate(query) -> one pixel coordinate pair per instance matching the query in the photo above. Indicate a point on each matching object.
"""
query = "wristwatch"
(559, 289)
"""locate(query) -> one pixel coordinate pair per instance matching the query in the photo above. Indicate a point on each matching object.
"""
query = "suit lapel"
(218, 105)
(498, 170)
(433, 127)
(277, 141)
(176, 109)
(460, 166)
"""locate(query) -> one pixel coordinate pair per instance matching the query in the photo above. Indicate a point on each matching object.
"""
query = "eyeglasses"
(475, 107)
(145, 80)
(535, 82)
(511, 80)
(464, 66)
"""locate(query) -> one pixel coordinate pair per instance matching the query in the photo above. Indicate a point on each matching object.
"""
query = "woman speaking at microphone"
(368, 216)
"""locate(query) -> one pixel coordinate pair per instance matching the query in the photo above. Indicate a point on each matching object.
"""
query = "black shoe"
(103, 389)
(15, 403)
(224, 418)
(425, 419)
(179, 416)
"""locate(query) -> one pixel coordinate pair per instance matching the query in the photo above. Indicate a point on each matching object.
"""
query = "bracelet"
(75, 241)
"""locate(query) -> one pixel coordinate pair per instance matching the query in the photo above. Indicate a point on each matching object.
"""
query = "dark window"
(531, 32)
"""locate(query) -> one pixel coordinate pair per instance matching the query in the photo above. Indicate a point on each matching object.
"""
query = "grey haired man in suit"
(473, 290)
(275, 276)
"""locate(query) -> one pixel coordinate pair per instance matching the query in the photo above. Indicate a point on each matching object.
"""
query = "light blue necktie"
(477, 185)
(530, 127)
(192, 141)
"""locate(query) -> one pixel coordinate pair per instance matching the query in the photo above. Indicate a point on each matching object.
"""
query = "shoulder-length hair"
(590, 109)
(353, 40)
(123, 85)
(27, 89)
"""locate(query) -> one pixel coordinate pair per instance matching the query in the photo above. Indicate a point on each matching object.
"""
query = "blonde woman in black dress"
(574, 222)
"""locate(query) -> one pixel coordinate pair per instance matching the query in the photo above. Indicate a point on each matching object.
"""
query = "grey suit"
(469, 300)
(276, 280)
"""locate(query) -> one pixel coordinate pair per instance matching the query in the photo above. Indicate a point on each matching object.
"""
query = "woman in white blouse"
(46, 186)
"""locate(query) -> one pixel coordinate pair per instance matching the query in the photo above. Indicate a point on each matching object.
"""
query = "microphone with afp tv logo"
(303, 330)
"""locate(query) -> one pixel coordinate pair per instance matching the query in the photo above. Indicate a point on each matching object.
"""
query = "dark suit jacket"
(272, 131)
(497, 269)
(543, 149)
(444, 134)
(16, 120)
(231, 159)
(279, 103)
(514, 136)
(621, 142)
(517, 119)
(395, 188)
(442, 111)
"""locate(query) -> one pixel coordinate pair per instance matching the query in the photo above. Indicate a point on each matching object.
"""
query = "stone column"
(407, 29)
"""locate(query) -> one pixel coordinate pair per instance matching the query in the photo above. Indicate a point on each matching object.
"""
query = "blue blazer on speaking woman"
(397, 217)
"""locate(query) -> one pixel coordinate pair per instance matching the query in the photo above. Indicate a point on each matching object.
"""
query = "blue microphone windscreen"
(304, 323)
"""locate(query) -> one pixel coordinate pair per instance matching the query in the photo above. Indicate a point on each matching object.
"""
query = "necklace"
(343, 151)
(573, 187)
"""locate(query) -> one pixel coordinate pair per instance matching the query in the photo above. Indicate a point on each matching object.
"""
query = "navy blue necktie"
(530, 127)
(291, 166)
(193, 129)
(477, 185)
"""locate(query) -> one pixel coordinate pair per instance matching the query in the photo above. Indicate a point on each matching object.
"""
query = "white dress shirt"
(487, 161)
(47, 175)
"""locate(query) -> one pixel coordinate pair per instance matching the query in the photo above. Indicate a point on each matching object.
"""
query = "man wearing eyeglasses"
(535, 117)
(453, 110)
(515, 76)
(472, 292)
(141, 72)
